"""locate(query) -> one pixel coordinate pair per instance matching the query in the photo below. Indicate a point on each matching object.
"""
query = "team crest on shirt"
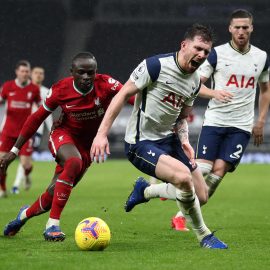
(29, 95)
(100, 111)
(139, 71)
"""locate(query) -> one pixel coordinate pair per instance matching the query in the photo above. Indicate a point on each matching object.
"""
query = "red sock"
(28, 170)
(41, 205)
(63, 186)
(3, 182)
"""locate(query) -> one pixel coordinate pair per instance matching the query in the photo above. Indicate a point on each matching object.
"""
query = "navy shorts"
(226, 143)
(144, 155)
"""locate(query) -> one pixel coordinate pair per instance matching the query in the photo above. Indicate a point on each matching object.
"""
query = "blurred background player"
(84, 98)
(37, 78)
(237, 67)
(19, 95)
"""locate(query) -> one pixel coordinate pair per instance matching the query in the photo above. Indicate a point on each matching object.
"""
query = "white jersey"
(48, 121)
(239, 74)
(164, 88)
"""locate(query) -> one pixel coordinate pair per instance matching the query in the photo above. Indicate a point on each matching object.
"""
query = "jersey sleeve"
(146, 73)
(209, 65)
(4, 92)
(264, 76)
(114, 85)
(37, 97)
(51, 101)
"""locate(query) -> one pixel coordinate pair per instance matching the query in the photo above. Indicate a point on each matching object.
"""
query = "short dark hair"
(23, 63)
(206, 32)
(241, 13)
(83, 55)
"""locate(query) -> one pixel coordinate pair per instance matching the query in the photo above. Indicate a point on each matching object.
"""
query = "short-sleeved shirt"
(82, 113)
(239, 74)
(19, 101)
(164, 89)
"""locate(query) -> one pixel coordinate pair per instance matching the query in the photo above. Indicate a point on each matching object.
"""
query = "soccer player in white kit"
(237, 67)
(165, 87)
(37, 78)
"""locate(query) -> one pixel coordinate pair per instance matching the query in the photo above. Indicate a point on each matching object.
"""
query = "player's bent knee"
(183, 180)
(73, 167)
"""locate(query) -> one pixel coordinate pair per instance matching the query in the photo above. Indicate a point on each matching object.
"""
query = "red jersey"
(19, 101)
(82, 112)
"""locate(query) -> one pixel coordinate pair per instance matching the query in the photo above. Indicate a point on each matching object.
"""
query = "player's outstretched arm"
(28, 130)
(220, 95)
(100, 144)
(264, 102)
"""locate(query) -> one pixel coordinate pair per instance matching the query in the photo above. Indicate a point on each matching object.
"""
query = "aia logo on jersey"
(173, 100)
(29, 95)
(241, 81)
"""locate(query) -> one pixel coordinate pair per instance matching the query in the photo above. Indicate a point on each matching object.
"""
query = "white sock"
(212, 182)
(153, 180)
(23, 214)
(20, 176)
(205, 168)
(162, 190)
(190, 207)
(52, 222)
(179, 214)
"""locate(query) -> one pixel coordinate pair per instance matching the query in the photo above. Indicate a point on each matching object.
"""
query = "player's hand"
(223, 96)
(100, 148)
(5, 161)
(257, 133)
(189, 151)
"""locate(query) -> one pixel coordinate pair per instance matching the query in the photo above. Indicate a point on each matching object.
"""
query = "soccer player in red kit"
(84, 98)
(19, 95)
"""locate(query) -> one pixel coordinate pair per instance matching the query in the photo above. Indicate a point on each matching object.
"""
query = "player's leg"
(3, 187)
(27, 165)
(208, 148)
(231, 151)
(69, 158)
(26, 160)
(20, 177)
(179, 175)
(153, 158)
(40, 206)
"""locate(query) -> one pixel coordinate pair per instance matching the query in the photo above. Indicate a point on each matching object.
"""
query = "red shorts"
(59, 137)
(6, 143)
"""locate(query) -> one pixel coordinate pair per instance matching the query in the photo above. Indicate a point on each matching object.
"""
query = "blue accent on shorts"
(144, 155)
(226, 143)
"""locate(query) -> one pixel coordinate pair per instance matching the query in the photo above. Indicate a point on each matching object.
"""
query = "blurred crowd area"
(120, 34)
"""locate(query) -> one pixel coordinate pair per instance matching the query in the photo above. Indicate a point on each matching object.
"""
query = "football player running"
(83, 98)
(165, 87)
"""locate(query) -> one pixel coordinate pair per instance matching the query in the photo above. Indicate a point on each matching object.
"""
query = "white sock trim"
(52, 222)
(205, 167)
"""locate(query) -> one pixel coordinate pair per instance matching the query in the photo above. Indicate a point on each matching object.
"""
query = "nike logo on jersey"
(228, 65)
(168, 82)
(12, 94)
(151, 153)
(70, 106)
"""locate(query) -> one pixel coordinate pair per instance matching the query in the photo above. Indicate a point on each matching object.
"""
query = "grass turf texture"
(142, 239)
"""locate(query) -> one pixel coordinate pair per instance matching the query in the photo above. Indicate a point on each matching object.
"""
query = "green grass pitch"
(142, 239)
